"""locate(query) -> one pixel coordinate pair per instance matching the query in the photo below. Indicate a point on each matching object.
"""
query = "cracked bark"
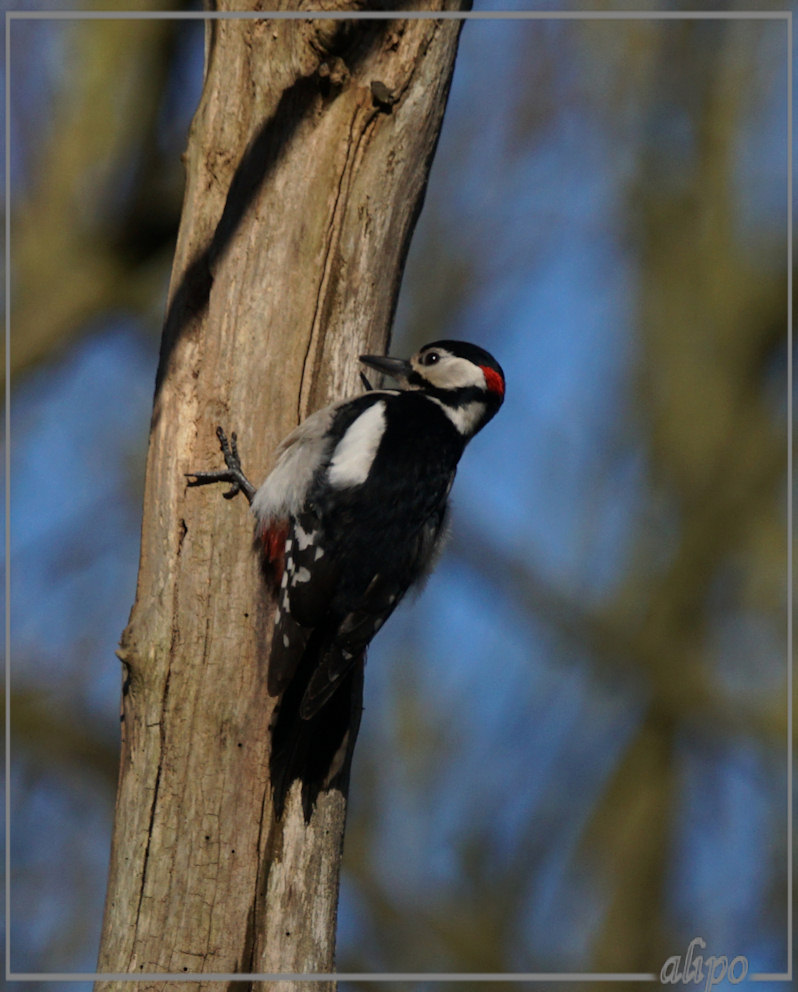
(302, 192)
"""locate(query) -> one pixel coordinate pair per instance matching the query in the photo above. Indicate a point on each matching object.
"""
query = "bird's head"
(463, 378)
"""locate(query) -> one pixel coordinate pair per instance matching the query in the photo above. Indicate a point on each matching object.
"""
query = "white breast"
(355, 452)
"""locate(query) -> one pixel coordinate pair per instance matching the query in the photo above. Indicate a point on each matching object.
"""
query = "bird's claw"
(233, 474)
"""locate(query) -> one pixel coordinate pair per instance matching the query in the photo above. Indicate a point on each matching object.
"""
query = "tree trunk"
(307, 162)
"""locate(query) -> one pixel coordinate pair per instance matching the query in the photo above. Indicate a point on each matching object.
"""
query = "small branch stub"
(383, 96)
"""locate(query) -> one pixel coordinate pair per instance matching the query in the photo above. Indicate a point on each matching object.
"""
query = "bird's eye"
(430, 358)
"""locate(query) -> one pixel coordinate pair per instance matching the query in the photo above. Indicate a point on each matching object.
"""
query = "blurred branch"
(63, 737)
(83, 239)
(618, 646)
(626, 836)
(477, 923)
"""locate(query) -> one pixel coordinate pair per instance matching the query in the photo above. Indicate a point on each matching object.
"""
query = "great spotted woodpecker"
(350, 517)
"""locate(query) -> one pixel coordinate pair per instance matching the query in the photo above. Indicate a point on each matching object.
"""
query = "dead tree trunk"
(307, 162)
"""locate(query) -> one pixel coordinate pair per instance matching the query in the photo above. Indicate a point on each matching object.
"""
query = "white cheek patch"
(355, 452)
(453, 373)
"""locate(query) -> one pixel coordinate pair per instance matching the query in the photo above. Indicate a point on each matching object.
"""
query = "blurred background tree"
(574, 750)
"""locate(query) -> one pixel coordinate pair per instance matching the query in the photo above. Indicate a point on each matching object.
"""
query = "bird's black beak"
(396, 368)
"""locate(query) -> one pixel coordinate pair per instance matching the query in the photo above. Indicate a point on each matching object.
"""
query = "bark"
(304, 181)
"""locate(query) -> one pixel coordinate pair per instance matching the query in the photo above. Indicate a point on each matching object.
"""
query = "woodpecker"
(352, 516)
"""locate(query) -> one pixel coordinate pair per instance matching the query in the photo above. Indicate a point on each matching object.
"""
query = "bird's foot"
(233, 474)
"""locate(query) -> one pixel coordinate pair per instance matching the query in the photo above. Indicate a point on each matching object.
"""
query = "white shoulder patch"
(355, 452)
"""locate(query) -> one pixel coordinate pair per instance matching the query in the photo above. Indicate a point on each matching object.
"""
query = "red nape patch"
(493, 380)
(273, 547)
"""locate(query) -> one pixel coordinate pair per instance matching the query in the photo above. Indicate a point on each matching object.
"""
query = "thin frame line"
(340, 976)
(7, 434)
(392, 15)
(789, 509)
(13, 15)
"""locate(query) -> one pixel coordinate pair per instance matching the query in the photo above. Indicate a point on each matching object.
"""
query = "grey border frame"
(614, 15)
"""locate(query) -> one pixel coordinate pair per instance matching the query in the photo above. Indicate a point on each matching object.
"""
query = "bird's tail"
(316, 749)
